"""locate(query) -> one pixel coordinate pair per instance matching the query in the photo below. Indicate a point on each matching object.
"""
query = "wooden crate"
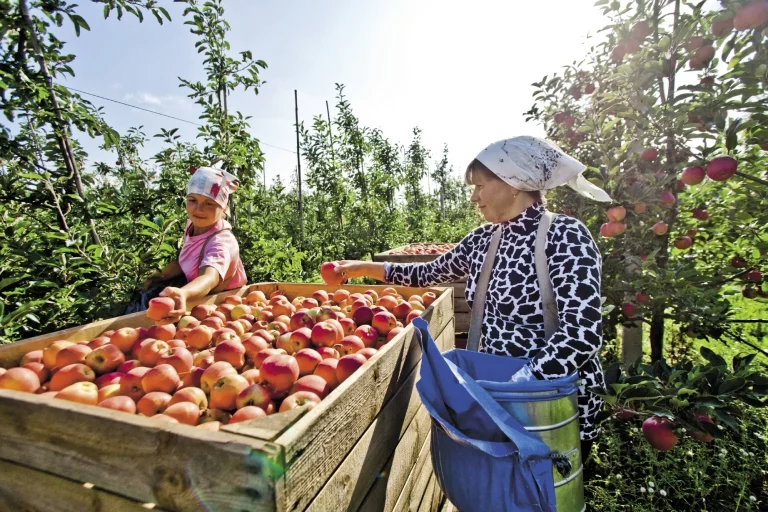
(59, 456)
(460, 306)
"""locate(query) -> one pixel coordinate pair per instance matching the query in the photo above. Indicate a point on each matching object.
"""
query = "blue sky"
(461, 71)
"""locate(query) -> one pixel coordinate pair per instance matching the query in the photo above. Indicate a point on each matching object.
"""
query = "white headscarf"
(529, 163)
(214, 183)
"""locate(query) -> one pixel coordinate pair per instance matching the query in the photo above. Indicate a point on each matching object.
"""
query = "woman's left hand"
(179, 296)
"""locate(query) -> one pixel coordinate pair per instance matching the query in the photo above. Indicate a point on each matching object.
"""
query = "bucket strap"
(549, 305)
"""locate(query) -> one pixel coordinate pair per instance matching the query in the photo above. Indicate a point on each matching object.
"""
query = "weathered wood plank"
(399, 498)
(363, 465)
(462, 322)
(26, 489)
(412, 501)
(425, 505)
(356, 403)
(266, 428)
(175, 466)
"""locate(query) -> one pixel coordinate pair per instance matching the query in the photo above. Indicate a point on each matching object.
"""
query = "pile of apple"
(423, 249)
(245, 358)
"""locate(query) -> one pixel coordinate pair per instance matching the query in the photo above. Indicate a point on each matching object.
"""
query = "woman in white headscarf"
(509, 178)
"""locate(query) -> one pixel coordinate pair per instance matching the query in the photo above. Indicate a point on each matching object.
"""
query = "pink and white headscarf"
(214, 183)
(529, 163)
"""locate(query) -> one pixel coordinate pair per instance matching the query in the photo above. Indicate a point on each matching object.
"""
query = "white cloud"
(144, 98)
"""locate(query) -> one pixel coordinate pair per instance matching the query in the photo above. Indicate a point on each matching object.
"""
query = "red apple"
(659, 432)
(35, 356)
(213, 373)
(349, 345)
(278, 374)
(616, 213)
(312, 383)
(154, 402)
(160, 308)
(231, 351)
(20, 379)
(119, 403)
(307, 359)
(183, 412)
(108, 378)
(667, 199)
(255, 395)
(162, 332)
(660, 228)
(225, 391)
(72, 354)
(702, 436)
(162, 377)
(329, 275)
(71, 374)
(368, 352)
(683, 242)
(693, 175)
(325, 334)
(649, 155)
(700, 214)
(190, 394)
(348, 365)
(248, 412)
(328, 353)
(721, 168)
(628, 309)
(298, 399)
(81, 392)
(642, 298)
(40, 370)
(105, 359)
(124, 338)
(751, 16)
(368, 334)
(192, 379)
(151, 351)
(384, 322)
(253, 376)
(130, 383)
(180, 358)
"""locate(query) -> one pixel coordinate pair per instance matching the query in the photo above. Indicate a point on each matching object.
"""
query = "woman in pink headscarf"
(210, 258)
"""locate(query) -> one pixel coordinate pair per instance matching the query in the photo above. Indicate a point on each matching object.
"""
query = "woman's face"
(203, 211)
(494, 198)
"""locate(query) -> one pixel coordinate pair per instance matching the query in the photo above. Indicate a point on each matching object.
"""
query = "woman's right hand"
(352, 269)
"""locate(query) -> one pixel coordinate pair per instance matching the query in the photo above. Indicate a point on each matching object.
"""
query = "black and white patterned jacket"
(513, 322)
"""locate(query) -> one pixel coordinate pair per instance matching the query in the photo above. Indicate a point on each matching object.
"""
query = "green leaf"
(731, 385)
(713, 358)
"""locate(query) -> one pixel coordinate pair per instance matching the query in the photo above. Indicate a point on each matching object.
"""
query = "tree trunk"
(60, 127)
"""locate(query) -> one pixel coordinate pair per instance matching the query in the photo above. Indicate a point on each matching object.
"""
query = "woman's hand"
(352, 269)
(179, 296)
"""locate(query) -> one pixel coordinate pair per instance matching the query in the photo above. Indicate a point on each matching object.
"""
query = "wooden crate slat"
(399, 499)
(462, 322)
(54, 494)
(267, 428)
(176, 466)
(312, 448)
(425, 505)
(412, 500)
(350, 483)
